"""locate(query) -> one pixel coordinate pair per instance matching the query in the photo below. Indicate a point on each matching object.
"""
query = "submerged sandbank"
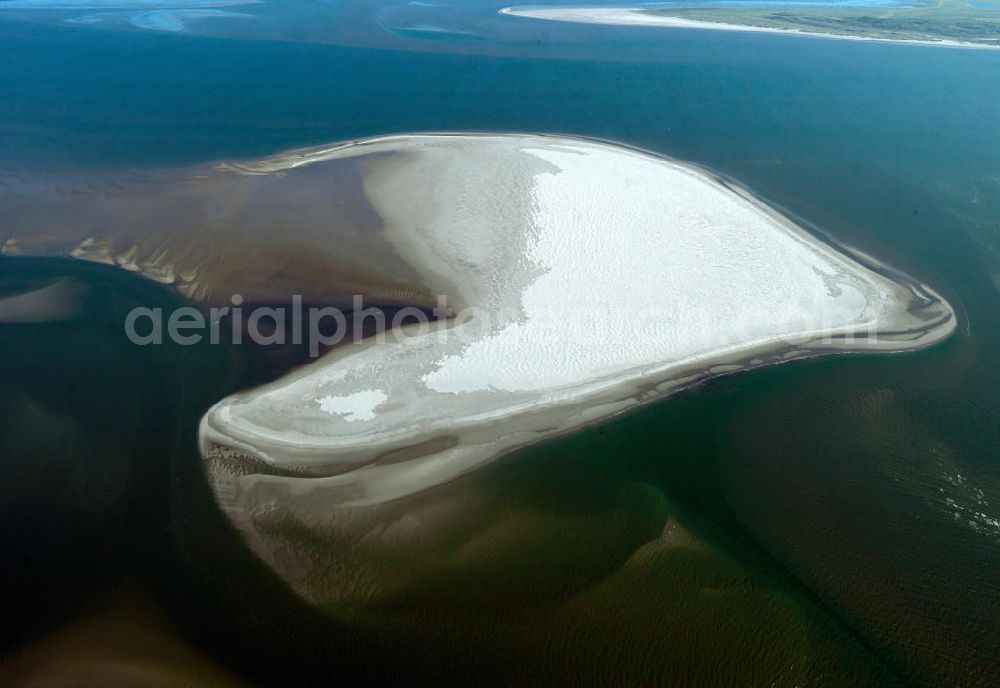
(639, 16)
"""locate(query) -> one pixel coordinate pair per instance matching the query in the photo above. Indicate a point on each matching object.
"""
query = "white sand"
(636, 16)
(601, 278)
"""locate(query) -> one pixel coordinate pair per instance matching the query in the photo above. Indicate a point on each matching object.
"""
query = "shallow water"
(848, 503)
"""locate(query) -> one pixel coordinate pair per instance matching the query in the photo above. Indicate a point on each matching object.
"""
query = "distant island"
(946, 22)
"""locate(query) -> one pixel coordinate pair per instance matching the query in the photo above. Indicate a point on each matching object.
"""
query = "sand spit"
(584, 279)
(587, 278)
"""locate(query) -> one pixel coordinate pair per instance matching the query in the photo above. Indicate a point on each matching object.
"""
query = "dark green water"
(847, 510)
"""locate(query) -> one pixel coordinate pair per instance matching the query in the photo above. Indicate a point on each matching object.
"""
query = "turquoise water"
(860, 493)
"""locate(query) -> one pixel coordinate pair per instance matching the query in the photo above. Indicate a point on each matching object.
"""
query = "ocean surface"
(842, 515)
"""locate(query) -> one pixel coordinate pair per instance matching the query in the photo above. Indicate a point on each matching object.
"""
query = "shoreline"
(635, 16)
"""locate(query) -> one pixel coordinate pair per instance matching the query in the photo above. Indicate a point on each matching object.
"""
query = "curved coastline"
(638, 16)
